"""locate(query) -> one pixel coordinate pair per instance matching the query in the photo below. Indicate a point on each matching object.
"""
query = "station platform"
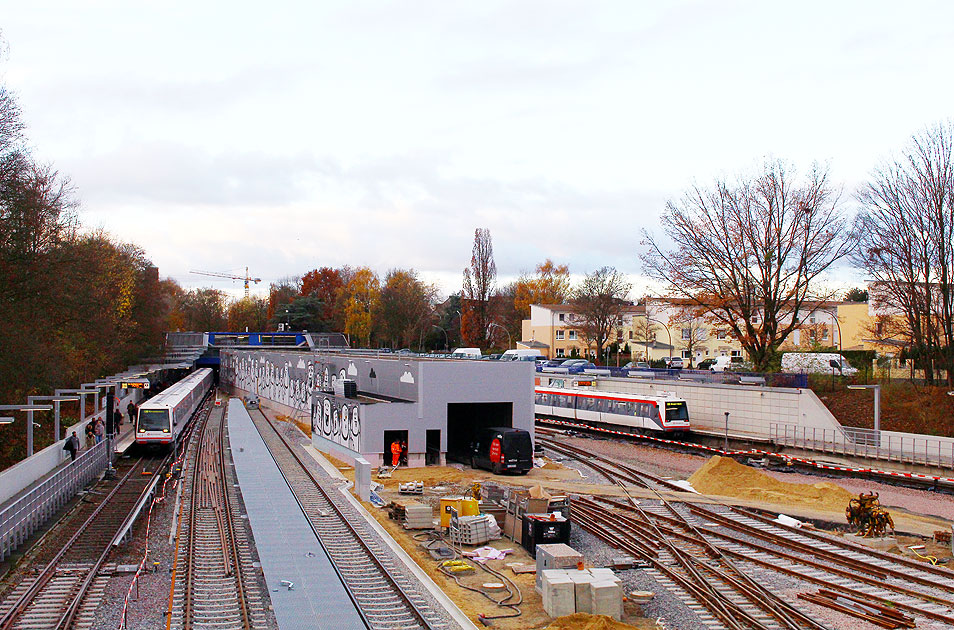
(286, 544)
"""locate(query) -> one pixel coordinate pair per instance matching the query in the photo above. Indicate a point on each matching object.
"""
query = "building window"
(755, 319)
(572, 335)
(686, 354)
(686, 334)
(811, 320)
(824, 333)
(720, 334)
(631, 334)
(562, 317)
(736, 353)
(559, 334)
(560, 353)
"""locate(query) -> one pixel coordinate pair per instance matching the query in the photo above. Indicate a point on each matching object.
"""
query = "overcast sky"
(290, 135)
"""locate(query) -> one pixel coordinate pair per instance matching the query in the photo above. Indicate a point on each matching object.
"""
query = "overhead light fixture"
(7, 420)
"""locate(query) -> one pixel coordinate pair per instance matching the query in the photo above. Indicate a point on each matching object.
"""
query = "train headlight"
(142, 430)
(165, 430)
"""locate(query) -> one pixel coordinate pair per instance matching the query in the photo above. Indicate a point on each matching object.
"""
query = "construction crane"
(216, 274)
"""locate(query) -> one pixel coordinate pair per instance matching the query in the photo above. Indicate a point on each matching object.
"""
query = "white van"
(466, 353)
(522, 354)
(816, 363)
(721, 364)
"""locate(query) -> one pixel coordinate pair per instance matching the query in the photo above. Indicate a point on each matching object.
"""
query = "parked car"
(558, 362)
(502, 449)
(466, 353)
(576, 368)
(675, 363)
(637, 365)
(522, 354)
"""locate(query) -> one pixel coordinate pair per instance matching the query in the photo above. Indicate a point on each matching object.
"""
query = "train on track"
(613, 410)
(161, 419)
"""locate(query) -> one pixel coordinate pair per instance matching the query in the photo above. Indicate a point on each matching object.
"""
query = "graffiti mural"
(297, 381)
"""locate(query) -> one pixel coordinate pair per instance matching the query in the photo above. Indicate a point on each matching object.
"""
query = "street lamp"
(877, 405)
(56, 400)
(29, 409)
(650, 319)
(509, 341)
(6, 420)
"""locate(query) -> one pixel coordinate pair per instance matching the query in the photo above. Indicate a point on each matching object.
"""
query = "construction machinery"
(216, 274)
(866, 515)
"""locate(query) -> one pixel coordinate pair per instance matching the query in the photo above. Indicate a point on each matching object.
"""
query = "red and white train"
(626, 412)
(162, 418)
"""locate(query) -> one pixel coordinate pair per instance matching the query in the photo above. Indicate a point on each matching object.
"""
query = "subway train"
(161, 419)
(613, 410)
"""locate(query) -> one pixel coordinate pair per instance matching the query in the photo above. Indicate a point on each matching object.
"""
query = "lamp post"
(446, 343)
(509, 340)
(726, 432)
(56, 400)
(29, 409)
(877, 406)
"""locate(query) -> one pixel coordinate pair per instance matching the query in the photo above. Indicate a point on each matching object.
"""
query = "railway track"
(66, 591)
(383, 596)
(212, 585)
(746, 543)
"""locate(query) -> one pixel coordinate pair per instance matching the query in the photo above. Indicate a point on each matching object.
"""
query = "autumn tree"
(752, 252)
(280, 294)
(204, 309)
(549, 285)
(478, 287)
(326, 285)
(360, 296)
(248, 314)
(404, 310)
(600, 300)
(906, 246)
(856, 294)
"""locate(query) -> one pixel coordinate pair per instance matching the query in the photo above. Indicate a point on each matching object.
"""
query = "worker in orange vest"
(395, 452)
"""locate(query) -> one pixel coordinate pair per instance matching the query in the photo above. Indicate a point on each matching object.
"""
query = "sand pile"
(725, 476)
(586, 621)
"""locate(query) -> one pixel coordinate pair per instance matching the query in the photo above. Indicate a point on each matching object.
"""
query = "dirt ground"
(442, 481)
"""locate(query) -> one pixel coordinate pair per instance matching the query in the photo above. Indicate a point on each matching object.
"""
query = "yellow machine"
(867, 516)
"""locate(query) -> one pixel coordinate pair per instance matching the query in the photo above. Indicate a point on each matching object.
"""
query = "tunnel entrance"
(465, 420)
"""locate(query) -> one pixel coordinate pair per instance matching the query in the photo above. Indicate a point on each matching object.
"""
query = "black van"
(502, 449)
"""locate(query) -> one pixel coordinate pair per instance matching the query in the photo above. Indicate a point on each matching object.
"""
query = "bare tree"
(907, 243)
(478, 287)
(644, 330)
(599, 300)
(690, 322)
(751, 252)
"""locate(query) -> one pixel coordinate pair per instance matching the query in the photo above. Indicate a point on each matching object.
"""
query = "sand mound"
(586, 621)
(725, 476)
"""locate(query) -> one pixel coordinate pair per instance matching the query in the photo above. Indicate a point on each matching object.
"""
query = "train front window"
(153, 419)
(677, 411)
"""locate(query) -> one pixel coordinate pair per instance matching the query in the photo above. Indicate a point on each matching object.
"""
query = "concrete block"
(606, 598)
(555, 556)
(559, 597)
(362, 478)
(581, 588)
(604, 575)
(885, 543)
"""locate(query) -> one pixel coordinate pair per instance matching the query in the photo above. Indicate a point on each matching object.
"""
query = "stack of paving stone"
(418, 516)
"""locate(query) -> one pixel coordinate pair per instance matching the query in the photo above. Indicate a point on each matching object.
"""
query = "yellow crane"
(216, 274)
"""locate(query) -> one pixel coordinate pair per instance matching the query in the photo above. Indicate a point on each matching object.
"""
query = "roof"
(573, 308)
(532, 344)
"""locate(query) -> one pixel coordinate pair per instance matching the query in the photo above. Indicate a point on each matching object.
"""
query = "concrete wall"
(751, 409)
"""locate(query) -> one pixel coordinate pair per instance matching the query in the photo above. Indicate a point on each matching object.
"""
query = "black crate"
(541, 530)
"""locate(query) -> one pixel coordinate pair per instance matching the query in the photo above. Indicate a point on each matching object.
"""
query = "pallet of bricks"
(412, 514)
(533, 501)
(476, 529)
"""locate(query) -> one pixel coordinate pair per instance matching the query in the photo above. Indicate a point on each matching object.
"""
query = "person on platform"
(131, 410)
(72, 445)
(99, 430)
(117, 420)
(90, 431)
(395, 452)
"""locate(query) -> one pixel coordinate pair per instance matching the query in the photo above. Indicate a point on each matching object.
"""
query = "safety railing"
(925, 450)
(25, 514)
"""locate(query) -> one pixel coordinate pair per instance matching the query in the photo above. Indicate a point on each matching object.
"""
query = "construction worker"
(396, 452)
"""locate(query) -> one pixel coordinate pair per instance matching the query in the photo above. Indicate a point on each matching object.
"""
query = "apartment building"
(554, 330)
(671, 327)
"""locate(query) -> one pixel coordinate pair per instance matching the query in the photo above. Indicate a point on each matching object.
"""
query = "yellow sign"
(134, 384)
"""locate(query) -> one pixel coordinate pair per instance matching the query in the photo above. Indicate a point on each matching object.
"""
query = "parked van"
(503, 449)
(721, 364)
(522, 354)
(816, 363)
(466, 353)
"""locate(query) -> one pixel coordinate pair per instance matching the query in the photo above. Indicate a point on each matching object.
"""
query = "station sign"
(136, 384)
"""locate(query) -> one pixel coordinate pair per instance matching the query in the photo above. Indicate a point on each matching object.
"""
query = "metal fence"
(887, 445)
(25, 514)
